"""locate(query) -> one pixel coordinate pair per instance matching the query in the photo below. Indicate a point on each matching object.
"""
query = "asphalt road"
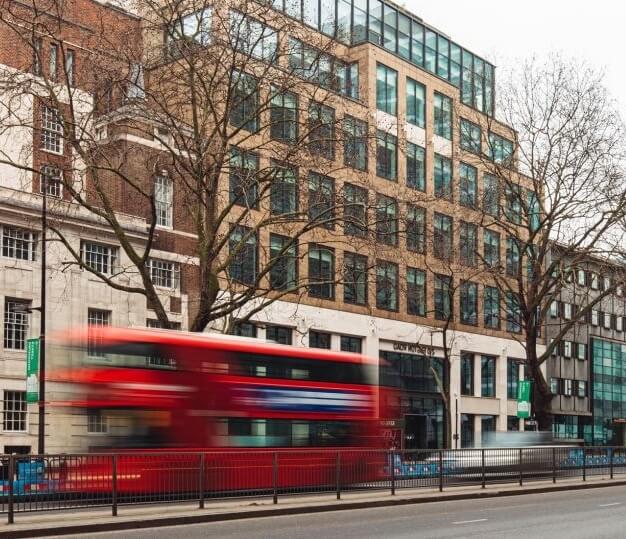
(593, 513)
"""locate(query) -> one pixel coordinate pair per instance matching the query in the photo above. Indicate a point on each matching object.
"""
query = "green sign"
(523, 399)
(32, 370)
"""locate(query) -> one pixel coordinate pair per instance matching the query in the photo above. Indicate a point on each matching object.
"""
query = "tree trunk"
(541, 394)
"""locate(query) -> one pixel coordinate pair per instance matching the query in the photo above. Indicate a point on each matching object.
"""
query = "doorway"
(415, 431)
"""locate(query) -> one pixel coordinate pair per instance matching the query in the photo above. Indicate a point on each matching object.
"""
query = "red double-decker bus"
(164, 391)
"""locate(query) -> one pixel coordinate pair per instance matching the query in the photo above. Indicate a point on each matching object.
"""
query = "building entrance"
(415, 431)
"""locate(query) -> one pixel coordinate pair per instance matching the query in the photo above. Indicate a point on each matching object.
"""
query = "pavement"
(597, 513)
(255, 516)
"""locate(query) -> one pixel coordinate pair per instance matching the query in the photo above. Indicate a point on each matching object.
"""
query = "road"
(593, 513)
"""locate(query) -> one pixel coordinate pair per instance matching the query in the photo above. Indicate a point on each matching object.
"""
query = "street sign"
(32, 370)
(523, 399)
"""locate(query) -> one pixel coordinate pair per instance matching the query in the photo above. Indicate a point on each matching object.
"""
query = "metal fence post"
(521, 469)
(201, 483)
(584, 464)
(440, 470)
(114, 486)
(554, 464)
(275, 476)
(11, 477)
(611, 462)
(482, 462)
(393, 472)
(338, 475)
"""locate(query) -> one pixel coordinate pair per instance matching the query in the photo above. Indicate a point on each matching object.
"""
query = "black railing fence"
(68, 482)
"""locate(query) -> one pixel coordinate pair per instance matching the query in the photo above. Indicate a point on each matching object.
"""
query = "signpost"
(523, 399)
(32, 370)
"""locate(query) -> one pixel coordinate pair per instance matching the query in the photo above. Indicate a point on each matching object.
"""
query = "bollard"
(114, 486)
(554, 464)
(275, 477)
(584, 464)
(201, 483)
(393, 472)
(611, 462)
(482, 458)
(440, 470)
(521, 470)
(11, 478)
(338, 475)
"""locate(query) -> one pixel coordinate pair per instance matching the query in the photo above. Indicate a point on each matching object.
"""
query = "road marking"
(470, 521)
(609, 504)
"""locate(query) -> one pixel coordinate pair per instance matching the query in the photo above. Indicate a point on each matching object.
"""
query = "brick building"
(418, 134)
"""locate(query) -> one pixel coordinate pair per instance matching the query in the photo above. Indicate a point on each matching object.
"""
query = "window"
(443, 177)
(415, 229)
(283, 189)
(469, 303)
(244, 111)
(386, 89)
(442, 240)
(487, 425)
(467, 430)
(467, 374)
(322, 200)
(581, 277)
(37, 56)
(619, 323)
(387, 220)
(252, 37)
(491, 247)
(322, 130)
(17, 243)
(595, 281)
(554, 386)
(468, 185)
(351, 344)
(468, 243)
(567, 311)
(284, 116)
(512, 377)
(487, 376)
(279, 334)
(443, 116)
(491, 195)
(157, 324)
(355, 210)
(14, 412)
(321, 272)
(386, 155)
(243, 252)
(581, 351)
(163, 200)
(513, 313)
(51, 130)
(534, 210)
(567, 349)
(100, 258)
(283, 262)
(443, 297)
(500, 149)
(582, 389)
(69, 66)
(567, 387)
(319, 339)
(415, 103)
(54, 60)
(192, 28)
(244, 329)
(443, 57)
(470, 136)
(554, 309)
(595, 317)
(244, 187)
(491, 307)
(415, 166)
(355, 278)
(606, 321)
(512, 256)
(355, 143)
(96, 318)
(416, 292)
(512, 423)
(51, 180)
(513, 204)
(96, 423)
(387, 286)
(164, 273)
(16, 321)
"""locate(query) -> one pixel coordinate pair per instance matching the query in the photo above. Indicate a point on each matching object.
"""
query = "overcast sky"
(502, 31)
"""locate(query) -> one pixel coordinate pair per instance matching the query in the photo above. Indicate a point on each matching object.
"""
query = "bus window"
(131, 355)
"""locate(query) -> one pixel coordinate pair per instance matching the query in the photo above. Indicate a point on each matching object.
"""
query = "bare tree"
(559, 184)
(236, 119)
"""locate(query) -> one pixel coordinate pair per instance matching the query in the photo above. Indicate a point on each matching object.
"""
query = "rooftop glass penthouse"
(357, 21)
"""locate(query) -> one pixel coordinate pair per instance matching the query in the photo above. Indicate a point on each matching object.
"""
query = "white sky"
(502, 31)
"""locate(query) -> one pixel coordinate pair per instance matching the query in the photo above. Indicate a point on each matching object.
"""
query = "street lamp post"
(41, 433)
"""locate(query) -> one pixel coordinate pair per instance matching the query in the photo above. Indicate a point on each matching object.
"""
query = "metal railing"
(70, 482)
